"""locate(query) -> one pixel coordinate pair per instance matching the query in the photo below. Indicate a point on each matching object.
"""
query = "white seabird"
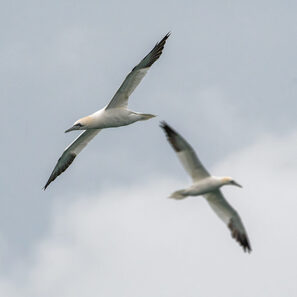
(206, 185)
(115, 114)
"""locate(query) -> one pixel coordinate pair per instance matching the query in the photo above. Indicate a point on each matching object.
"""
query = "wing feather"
(230, 217)
(71, 152)
(185, 153)
(120, 99)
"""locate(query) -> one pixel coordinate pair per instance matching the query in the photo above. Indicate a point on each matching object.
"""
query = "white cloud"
(135, 242)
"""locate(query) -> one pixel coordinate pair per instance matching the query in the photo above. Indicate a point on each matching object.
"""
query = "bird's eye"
(78, 125)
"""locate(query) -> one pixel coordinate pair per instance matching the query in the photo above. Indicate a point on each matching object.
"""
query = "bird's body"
(115, 114)
(200, 187)
(112, 118)
(206, 185)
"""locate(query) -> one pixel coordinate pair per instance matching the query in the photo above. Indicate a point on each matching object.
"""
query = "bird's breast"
(202, 187)
(111, 118)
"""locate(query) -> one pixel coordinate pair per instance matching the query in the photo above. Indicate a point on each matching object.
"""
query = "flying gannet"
(206, 185)
(115, 114)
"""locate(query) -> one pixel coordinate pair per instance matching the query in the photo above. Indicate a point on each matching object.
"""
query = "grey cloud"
(133, 241)
(62, 60)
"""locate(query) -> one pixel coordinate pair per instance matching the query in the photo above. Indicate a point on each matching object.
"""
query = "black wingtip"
(165, 127)
(171, 136)
(247, 246)
(240, 237)
(168, 130)
(48, 182)
(153, 55)
(163, 124)
(163, 40)
(168, 34)
(46, 185)
(244, 242)
(67, 160)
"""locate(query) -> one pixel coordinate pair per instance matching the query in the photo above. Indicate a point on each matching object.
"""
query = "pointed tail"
(146, 116)
(178, 195)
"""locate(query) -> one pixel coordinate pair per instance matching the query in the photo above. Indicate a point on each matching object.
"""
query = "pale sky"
(226, 80)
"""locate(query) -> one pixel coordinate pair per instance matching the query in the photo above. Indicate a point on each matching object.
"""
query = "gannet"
(206, 185)
(115, 114)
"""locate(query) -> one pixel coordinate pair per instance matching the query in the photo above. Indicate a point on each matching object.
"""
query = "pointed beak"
(70, 129)
(237, 184)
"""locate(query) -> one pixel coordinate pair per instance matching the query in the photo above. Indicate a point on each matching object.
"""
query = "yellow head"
(81, 124)
(227, 180)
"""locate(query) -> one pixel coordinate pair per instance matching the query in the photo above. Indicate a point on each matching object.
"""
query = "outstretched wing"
(71, 152)
(120, 99)
(185, 153)
(230, 217)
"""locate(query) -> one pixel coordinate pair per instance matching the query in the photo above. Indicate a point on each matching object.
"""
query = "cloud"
(61, 61)
(132, 241)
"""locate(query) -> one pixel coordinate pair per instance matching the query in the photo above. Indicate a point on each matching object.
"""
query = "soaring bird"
(115, 114)
(206, 185)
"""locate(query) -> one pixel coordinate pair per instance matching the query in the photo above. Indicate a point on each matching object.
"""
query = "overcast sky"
(227, 81)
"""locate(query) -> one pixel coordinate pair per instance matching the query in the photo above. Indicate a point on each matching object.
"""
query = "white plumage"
(206, 185)
(115, 114)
